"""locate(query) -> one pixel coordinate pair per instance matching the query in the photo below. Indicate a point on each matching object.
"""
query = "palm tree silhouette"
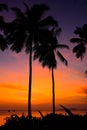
(81, 40)
(28, 30)
(3, 44)
(47, 55)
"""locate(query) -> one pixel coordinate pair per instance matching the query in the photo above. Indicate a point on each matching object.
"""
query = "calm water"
(4, 114)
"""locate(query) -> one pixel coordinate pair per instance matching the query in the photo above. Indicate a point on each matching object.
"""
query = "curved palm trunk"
(30, 83)
(53, 92)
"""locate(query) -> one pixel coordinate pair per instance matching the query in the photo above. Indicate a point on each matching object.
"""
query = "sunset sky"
(70, 81)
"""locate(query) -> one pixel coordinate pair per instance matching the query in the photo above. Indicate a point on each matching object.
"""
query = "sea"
(4, 114)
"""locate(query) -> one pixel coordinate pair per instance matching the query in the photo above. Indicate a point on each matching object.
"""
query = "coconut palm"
(26, 30)
(47, 55)
(81, 40)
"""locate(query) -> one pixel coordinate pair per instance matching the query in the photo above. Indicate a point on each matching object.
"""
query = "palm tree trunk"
(30, 83)
(53, 92)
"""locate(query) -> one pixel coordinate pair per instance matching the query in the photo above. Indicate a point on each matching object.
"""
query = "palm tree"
(28, 29)
(3, 44)
(81, 40)
(47, 55)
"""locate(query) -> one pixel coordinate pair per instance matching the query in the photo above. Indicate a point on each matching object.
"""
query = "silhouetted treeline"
(48, 122)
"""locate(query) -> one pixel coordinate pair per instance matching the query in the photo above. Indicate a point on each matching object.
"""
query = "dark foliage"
(81, 40)
(50, 121)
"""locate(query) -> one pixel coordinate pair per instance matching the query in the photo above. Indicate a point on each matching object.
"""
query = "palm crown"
(27, 30)
(27, 27)
(81, 40)
(47, 54)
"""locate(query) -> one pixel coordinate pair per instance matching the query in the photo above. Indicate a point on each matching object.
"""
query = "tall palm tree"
(81, 40)
(3, 44)
(47, 55)
(28, 29)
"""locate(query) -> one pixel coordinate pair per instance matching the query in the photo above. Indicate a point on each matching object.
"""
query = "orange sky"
(70, 83)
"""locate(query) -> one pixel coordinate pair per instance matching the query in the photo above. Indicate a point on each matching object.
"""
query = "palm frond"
(76, 40)
(62, 46)
(9, 27)
(38, 11)
(43, 36)
(49, 60)
(27, 7)
(41, 114)
(83, 33)
(38, 52)
(2, 23)
(18, 42)
(67, 110)
(28, 11)
(48, 21)
(19, 14)
(78, 30)
(80, 50)
(60, 56)
(57, 31)
(45, 56)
